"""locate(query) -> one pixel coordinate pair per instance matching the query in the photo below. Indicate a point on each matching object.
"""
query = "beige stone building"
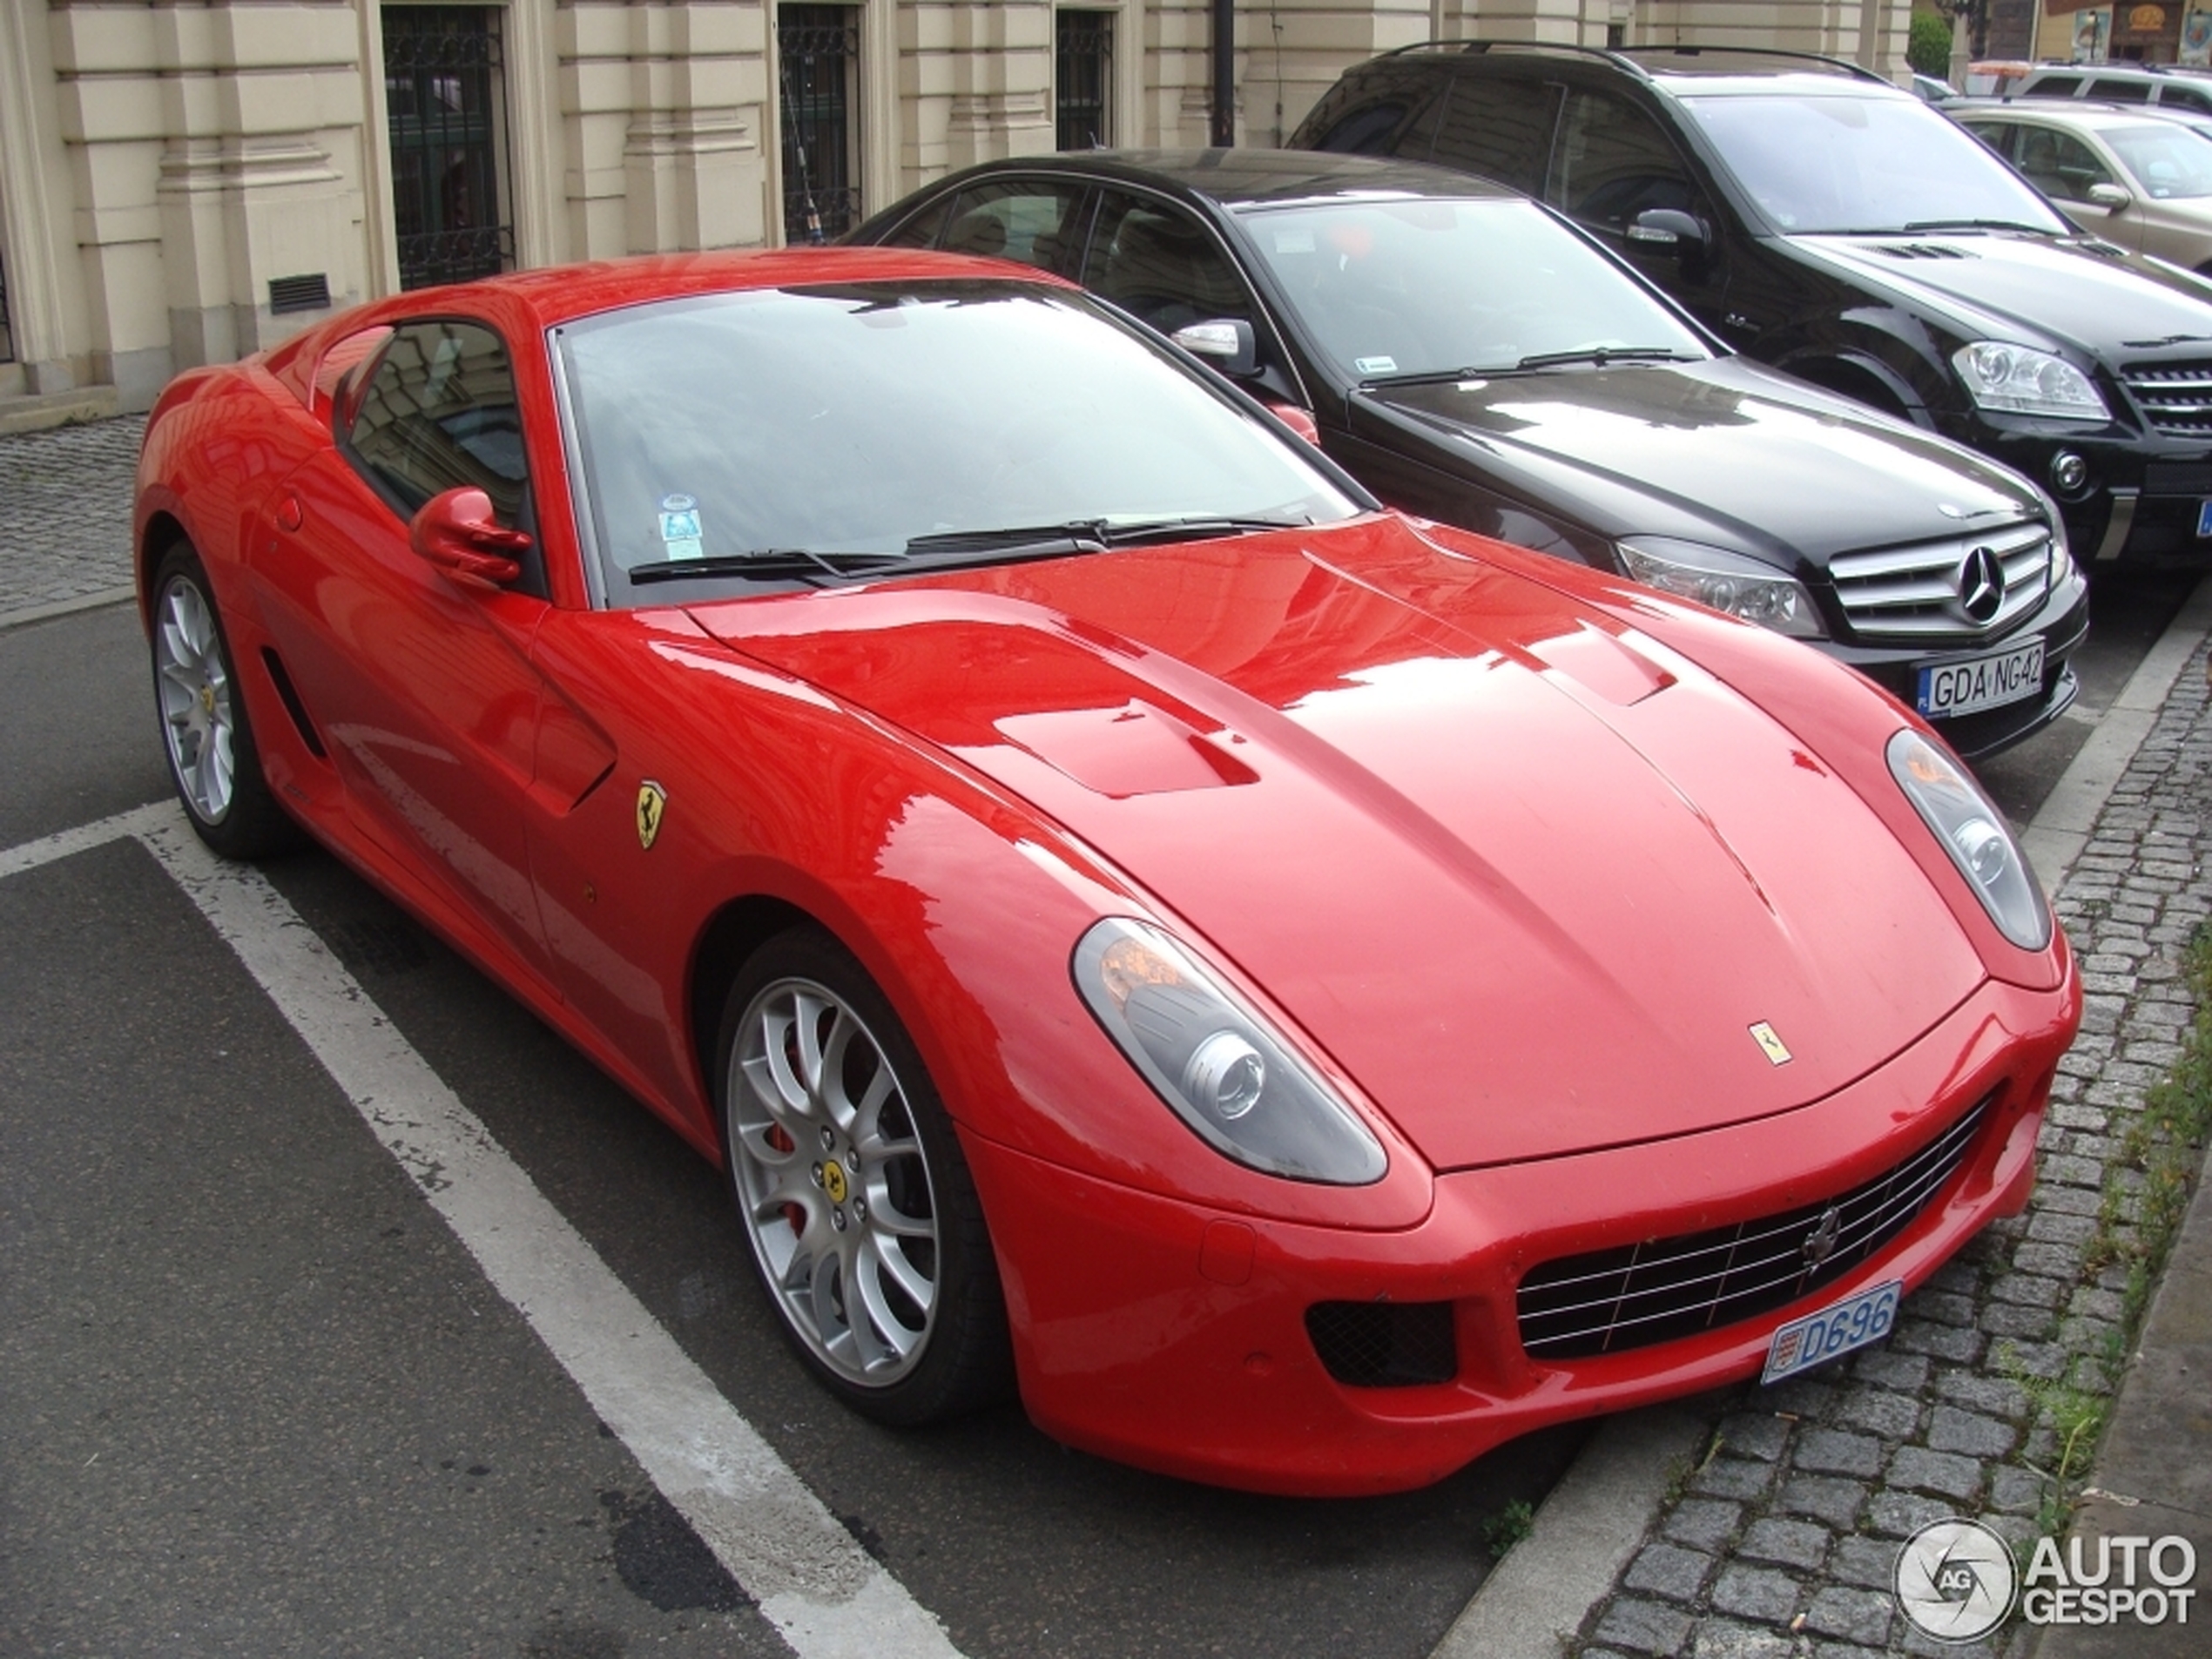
(186, 181)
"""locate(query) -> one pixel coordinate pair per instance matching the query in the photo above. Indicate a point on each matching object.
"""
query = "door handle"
(290, 515)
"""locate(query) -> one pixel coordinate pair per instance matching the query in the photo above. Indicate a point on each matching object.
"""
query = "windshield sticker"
(1375, 365)
(679, 527)
(1295, 241)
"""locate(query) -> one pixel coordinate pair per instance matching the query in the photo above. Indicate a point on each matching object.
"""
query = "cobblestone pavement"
(1780, 1544)
(65, 511)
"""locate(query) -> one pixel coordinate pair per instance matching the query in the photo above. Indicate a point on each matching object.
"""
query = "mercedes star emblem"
(1982, 586)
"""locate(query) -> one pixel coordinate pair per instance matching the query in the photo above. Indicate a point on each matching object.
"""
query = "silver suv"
(2178, 91)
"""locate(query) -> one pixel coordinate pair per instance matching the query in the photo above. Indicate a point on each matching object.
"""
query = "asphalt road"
(258, 1399)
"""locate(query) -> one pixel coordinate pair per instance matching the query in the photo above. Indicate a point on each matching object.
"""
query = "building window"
(818, 52)
(1083, 74)
(1616, 35)
(445, 107)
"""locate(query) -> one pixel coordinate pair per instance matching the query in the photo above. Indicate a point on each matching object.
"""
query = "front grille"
(1384, 1345)
(2175, 398)
(1612, 1300)
(1913, 592)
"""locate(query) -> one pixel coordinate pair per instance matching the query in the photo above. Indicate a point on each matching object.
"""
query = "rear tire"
(205, 733)
(865, 1225)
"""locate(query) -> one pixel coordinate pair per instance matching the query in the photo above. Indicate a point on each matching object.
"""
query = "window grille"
(1082, 77)
(446, 108)
(817, 50)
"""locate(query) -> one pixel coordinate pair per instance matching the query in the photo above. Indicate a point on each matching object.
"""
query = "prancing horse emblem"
(1770, 1043)
(652, 802)
(1820, 1242)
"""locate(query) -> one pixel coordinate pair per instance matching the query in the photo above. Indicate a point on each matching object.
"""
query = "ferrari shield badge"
(652, 802)
(1770, 1041)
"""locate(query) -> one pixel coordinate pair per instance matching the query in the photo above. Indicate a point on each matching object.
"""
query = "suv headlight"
(1224, 1070)
(1741, 586)
(2026, 381)
(1974, 833)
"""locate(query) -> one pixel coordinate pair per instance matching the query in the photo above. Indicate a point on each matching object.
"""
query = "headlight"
(1974, 833)
(1224, 1070)
(2026, 381)
(1742, 587)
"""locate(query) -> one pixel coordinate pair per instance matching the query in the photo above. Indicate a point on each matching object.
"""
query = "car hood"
(1722, 452)
(1527, 875)
(2038, 290)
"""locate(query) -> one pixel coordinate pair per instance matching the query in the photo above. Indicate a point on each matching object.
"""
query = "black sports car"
(1473, 356)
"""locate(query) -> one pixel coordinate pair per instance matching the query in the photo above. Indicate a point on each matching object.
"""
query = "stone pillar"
(214, 149)
(975, 84)
(46, 328)
(664, 113)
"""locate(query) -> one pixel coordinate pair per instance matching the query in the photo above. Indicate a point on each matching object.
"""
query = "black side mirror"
(1667, 229)
(1228, 343)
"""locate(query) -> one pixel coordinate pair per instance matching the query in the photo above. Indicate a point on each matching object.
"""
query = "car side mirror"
(2111, 198)
(1228, 343)
(457, 532)
(1667, 229)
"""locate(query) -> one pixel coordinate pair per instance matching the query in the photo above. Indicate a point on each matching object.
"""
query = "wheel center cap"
(207, 698)
(833, 1181)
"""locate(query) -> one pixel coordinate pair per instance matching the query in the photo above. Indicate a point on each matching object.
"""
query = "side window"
(2187, 97)
(438, 413)
(2119, 91)
(922, 229)
(2053, 86)
(1613, 163)
(2060, 164)
(1373, 121)
(1031, 219)
(1161, 265)
(1501, 129)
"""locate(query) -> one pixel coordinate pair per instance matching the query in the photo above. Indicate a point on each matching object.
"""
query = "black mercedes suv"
(1822, 220)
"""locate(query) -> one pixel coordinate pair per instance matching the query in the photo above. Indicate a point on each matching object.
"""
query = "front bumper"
(1174, 1337)
(2141, 504)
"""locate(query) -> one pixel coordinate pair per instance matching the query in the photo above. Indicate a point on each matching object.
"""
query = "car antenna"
(799, 149)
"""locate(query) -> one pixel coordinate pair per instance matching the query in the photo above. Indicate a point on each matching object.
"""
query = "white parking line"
(827, 1597)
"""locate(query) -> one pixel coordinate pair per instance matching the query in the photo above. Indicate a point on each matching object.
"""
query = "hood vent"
(1924, 251)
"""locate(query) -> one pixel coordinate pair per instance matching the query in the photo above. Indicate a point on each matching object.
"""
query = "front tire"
(863, 1219)
(212, 760)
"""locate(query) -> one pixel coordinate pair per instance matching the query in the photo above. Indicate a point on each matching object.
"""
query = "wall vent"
(300, 293)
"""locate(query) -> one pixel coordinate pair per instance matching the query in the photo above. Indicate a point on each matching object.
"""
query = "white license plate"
(1981, 682)
(1837, 1329)
(2203, 519)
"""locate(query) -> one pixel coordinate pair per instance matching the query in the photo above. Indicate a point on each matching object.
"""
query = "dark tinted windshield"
(1842, 163)
(1424, 286)
(857, 419)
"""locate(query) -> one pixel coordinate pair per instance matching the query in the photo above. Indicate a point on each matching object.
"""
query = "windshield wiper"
(767, 565)
(1966, 225)
(1087, 535)
(1601, 355)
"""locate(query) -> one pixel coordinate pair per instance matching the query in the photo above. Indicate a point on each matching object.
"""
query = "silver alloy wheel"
(834, 1182)
(195, 683)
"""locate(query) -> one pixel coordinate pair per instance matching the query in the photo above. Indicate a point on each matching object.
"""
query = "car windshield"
(2169, 162)
(1424, 286)
(1847, 164)
(776, 426)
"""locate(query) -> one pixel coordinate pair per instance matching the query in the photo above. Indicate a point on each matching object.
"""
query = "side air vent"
(289, 696)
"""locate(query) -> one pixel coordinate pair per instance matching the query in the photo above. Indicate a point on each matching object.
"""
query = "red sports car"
(1304, 994)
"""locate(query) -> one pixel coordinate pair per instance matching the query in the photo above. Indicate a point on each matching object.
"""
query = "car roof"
(556, 294)
(1249, 178)
(1677, 67)
(2054, 111)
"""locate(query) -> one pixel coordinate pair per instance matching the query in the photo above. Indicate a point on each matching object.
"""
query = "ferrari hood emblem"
(1770, 1041)
(652, 803)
